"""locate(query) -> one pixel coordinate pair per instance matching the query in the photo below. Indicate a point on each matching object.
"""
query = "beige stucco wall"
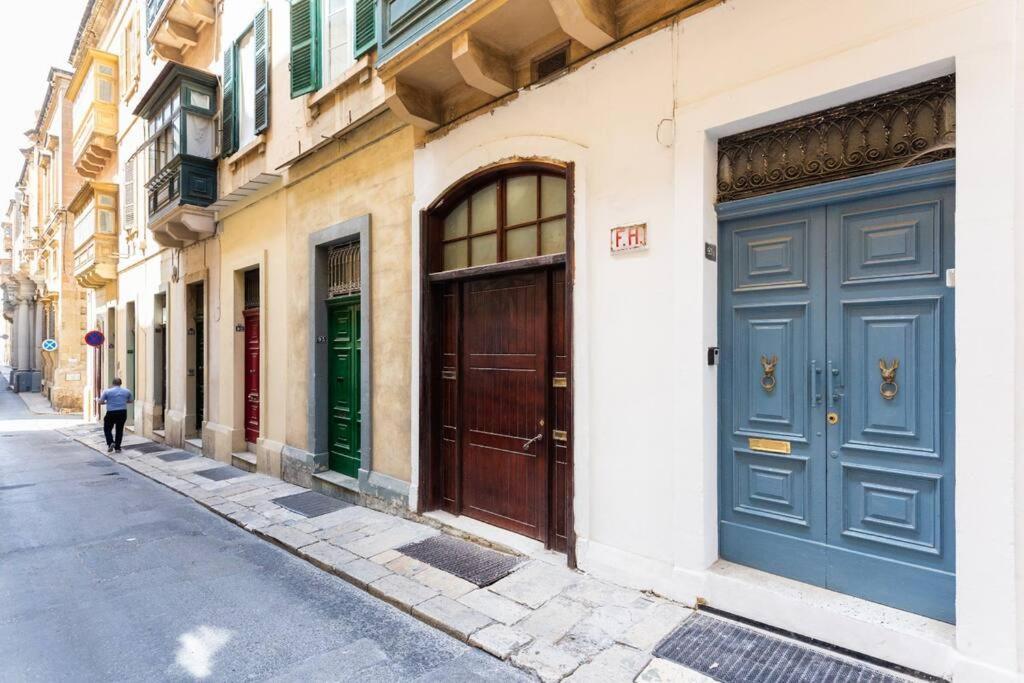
(369, 173)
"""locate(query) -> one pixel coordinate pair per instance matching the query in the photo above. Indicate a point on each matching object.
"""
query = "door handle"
(832, 379)
(530, 442)
(815, 376)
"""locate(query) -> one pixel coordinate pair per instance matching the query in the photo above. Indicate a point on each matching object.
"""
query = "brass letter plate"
(770, 446)
(559, 435)
(560, 382)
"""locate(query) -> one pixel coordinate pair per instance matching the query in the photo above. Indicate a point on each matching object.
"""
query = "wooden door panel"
(891, 470)
(252, 375)
(504, 361)
(343, 386)
(561, 414)
(449, 299)
(772, 298)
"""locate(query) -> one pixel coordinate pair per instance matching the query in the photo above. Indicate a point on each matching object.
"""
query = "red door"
(252, 374)
(505, 442)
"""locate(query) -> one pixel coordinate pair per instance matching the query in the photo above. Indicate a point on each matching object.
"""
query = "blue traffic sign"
(49, 345)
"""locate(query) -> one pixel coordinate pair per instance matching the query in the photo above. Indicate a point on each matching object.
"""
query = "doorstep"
(193, 445)
(243, 460)
(551, 621)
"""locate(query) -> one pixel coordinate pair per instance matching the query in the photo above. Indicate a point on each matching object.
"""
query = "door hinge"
(560, 382)
(951, 277)
(559, 435)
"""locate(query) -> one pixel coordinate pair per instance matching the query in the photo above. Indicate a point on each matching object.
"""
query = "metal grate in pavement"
(474, 563)
(310, 503)
(151, 447)
(733, 653)
(174, 456)
(222, 473)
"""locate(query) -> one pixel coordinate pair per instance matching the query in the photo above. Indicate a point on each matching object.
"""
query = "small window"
(551, 63)
(337, 55)
(343, 270)
(517, 215)
(105, 221)
(252, 288)
(198, 99)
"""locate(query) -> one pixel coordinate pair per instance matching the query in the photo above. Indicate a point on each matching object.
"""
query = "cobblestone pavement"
(548, 620)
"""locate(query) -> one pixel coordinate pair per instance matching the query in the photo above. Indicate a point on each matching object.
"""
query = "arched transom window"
(515, 214)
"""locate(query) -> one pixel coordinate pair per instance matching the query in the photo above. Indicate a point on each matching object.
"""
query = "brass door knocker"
(888, 387)
(768, 378)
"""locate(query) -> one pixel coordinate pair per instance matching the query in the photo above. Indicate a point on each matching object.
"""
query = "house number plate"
(770, 446)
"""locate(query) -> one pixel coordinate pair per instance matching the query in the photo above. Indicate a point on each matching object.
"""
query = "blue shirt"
(116, 398)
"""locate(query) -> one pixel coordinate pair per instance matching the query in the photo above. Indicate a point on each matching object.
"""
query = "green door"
(343, 330)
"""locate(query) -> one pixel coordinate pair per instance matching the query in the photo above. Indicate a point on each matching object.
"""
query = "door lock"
(832, 417)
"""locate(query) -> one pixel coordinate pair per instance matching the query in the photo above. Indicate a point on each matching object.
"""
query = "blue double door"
(837, 397)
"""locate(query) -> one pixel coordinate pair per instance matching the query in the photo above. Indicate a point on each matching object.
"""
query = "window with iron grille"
(343, 270)
(252, 288)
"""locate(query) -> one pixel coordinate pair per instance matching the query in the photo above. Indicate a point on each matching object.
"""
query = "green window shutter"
(228, 108)
(366, 26)
(261, 110)
(305, 47)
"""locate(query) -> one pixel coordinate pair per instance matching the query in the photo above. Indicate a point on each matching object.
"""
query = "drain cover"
(150, 447)
(222, 473)
(174, 456)
(732, 653)
(469, 561)
(310, 503)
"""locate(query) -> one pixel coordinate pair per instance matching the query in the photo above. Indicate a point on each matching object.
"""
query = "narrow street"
(106, 575)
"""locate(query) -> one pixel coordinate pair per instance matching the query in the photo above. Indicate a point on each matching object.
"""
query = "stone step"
(193, 446)
(336, 485)
(244, 461)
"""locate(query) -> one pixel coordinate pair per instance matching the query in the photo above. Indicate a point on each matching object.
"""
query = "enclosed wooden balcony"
(180, 154)
(174, 26)
(93, 93)
(441, 59)
(94, 212)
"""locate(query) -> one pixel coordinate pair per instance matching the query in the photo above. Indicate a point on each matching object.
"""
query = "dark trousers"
(113, 427)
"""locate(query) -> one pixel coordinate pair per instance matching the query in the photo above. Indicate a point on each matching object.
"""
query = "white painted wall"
(646, 413)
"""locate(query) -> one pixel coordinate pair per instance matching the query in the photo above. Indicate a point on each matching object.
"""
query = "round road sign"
(94, 338)
(49, 345)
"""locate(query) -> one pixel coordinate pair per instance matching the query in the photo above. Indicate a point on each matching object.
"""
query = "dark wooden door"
(505, 441)
(200, 356)
(252, 375)
(343, 385)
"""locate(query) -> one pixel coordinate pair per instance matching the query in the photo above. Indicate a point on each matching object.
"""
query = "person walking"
(116, 398)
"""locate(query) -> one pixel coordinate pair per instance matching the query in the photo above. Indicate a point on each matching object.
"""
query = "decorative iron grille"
(343, 269)
(252, 288)
(902, 128)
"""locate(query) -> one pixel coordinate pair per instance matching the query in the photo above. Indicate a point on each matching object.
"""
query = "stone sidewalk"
(549, 620)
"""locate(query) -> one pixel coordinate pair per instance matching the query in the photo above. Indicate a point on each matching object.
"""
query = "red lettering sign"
(629, 238)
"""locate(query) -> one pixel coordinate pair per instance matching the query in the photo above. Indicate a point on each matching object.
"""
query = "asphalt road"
(108, 576)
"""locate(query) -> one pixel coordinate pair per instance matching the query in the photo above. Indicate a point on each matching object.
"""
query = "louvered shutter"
(366, 26)
(305, 47)
(228, 106)
(261, 46)
(129, 194)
